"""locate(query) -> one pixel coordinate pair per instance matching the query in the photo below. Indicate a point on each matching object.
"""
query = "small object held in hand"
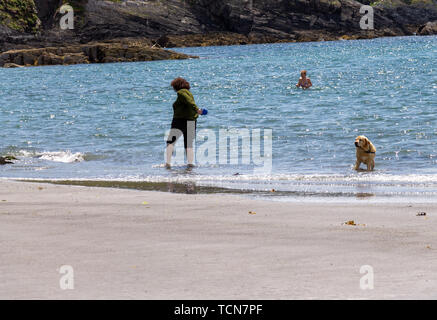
(204, 112)
(252, 212)
(421, 214)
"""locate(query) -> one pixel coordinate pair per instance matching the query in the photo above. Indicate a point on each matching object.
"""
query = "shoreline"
(271, 195)
(128, 244)
(145, 49)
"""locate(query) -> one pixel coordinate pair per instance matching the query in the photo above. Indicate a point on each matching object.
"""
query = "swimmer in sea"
(304, 82)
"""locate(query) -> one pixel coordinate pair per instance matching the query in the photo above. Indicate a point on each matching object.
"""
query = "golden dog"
(365, 153)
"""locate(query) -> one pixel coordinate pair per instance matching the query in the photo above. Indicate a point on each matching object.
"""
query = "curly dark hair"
(180, 83)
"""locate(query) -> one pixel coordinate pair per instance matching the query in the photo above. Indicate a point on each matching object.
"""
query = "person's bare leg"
(168, 154)
(171, 141)
(190, 157)
(189, 142)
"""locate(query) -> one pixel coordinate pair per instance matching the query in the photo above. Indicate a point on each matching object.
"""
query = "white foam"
(55, 156)
(62, 156)
(392, 180)
(377, 178)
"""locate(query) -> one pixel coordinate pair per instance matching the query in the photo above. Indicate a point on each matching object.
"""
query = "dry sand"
(208, 246)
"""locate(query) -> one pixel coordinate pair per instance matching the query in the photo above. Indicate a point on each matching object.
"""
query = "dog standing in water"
(365, 153)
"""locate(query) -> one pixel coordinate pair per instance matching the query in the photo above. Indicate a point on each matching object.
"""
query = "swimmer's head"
(303, 73)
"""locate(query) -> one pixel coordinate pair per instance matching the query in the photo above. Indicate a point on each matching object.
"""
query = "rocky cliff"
(26, 24)
(279, 19)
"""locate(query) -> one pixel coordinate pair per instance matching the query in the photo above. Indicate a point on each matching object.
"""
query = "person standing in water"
(304, 82)
(185, 113)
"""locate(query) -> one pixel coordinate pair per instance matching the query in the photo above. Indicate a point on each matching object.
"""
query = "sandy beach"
(128, 244)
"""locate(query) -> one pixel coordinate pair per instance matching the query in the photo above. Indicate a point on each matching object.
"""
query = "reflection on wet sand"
(193, 188)
(189, 188)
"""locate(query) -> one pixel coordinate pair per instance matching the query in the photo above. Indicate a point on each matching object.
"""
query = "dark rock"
(47, 10)
(75, 58)
(4, 161)
(6, 32)
(163, 41)
(428, 29)
(47, 59)
(29, 58)
(18, 59)
(4, 57)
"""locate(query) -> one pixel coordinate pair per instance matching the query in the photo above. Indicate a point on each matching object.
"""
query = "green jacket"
(184, 107)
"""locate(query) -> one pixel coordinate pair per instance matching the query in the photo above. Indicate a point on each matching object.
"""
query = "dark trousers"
(184, 127)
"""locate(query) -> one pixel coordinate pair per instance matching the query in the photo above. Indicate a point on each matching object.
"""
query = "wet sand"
(129, 244)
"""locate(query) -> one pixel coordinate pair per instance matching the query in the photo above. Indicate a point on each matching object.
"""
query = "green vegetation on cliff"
(20, 15)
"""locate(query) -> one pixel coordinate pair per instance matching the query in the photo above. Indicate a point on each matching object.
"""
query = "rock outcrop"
(95, 52)
(7, 160)
(12, 65)
(428, 29)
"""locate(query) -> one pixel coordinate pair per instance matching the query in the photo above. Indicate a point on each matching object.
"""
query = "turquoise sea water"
(108, 121)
